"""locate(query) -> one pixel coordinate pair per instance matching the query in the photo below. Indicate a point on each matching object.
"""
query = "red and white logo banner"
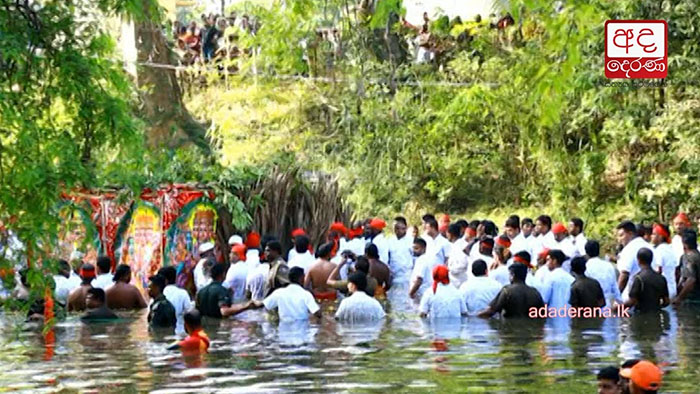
(636, 49)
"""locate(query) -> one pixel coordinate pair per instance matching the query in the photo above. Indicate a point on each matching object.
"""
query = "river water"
(252, 353)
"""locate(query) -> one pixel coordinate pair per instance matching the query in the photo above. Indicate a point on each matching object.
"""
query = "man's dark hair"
(513, 222)
(104, 264)
(557, 255)
(169, 273)
(524, 255)
(519, 271)
(592, 248)
(158, 280)
(265, 240)
(690, 239)
(527, 221)
(193, 318)
(301, 243)
(479, 267)
(296, 275)
(577, 222)
(454, 229)
(463, 224)
(275, 245)
(122, 271)
(578, 265)
(643, 230)
(474, 224)
(431, 222)
(630, 363)
(97, 293)
(362, 264)
(490, 228)
(359, 279)
(218, 271)
(420, 241)
(64, 265)
(428, 217)
(609, 373)
(645, 256)
(371, 251)
(546, 220)
(401, 219)
(627, 226)
(324, 251)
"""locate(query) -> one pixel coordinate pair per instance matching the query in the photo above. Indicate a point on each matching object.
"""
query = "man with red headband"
(297, 232)
(443, 301)
(356, 242)
(665, 262)
(237, 272)
(444, 225)
(680, 223)
(438, 247)
(76, 298)
(499, 271)
(336, 235)
(377, 238)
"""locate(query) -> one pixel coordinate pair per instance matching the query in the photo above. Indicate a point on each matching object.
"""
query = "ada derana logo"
(636, 49)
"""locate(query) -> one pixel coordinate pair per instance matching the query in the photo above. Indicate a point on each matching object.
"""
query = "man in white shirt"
(556, 288)
(518, 243)
(297, 232)
(356, 244)
(104, 277)
(578, 239)
(378, 239)
(292, 302)
(563, 243)
(443, 301)
(457, 261)
(665, 262)
(604, 272)
(479, 290)
(500, 273)
(237, 273)
(359, 307)
(627, 260)
(436, 245)
(680, 223)
(544, 239)
(400, 248)
(65, 282)
(200, 272)
(302, 258)
(256, 280)
(178, 297)
(421, 277)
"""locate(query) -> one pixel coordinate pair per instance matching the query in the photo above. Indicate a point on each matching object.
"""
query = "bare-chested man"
(319, 272)
(76, 298)
(122, 295)
(378, 270)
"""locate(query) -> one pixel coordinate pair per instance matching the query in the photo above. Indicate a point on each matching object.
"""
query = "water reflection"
(402, 352)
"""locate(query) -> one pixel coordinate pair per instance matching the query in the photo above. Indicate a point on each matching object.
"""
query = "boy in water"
(197, 340)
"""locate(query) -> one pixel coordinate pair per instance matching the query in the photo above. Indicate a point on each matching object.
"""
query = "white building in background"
(465, 9)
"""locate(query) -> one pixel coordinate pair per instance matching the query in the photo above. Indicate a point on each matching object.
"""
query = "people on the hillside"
(585, 292)
(359, 306)
(161, 313)
(122, 294)
(76, 298)
(97, 309)
(648, 289)
(104, 275)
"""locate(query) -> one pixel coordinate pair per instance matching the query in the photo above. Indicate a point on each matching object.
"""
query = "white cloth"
(458, 263)
(423, 268)
(542, 242)
(61, 290)
(677, 245)
(303, 260)
(627, 261)
(478, 292)
(200, 280)
(604, 272)
(382, 245)
(359, 307)
(256, 281)
(102, 281)
(501, 275)
(438, 247)
(400, 258)
(567, 247)
(357, 246)
(665, 258)
(236, 280)
(519, 244)
(579, 242)
(292, 254)
(180, 300)
(445, 303)
(292, 303)
(557, 288)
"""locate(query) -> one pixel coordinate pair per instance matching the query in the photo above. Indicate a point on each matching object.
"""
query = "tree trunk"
(171, 125)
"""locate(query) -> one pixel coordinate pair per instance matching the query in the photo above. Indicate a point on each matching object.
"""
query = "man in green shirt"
(214, 300)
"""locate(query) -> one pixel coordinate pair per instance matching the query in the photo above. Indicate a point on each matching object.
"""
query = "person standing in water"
(122, 294)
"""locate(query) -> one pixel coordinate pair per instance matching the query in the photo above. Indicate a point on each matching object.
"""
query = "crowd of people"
(447, 271)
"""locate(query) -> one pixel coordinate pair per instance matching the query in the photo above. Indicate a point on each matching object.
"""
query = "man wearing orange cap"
(444, 225)
(336, 235)
(644, 377)
(297, 232)
(377, 238)
(563, 242)
(356, 242)
(680, 223)
(443, 301)
(302, 257)
(665, 262)
(438, 247)
(237, 272)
